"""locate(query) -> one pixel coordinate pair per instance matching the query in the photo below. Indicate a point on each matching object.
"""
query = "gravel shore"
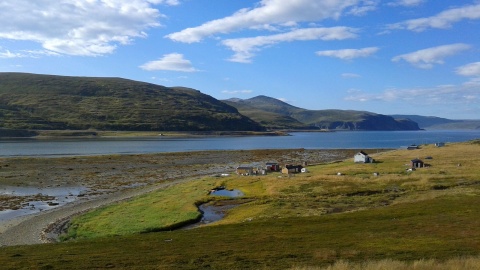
(34, 229)
(109, 179)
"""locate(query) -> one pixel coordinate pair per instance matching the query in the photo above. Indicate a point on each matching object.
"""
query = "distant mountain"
(35, 102)
(432, 122)
(271, 113)
(264, 109)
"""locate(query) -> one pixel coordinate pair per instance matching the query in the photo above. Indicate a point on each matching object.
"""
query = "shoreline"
(82, 134)
(35, 228)
(119, 172)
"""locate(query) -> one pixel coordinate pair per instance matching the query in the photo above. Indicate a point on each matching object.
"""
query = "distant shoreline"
(48, 134)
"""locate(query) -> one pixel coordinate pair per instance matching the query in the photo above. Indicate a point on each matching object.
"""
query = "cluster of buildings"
(360, 157)
(271, 167)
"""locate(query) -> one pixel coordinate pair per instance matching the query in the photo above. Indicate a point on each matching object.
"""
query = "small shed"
(272, 166)
(244, 170)
(417, 163)
(362, 157)
(440, 144)
(292, 169)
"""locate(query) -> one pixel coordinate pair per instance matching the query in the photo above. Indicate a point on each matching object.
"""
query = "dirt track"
(111, 178)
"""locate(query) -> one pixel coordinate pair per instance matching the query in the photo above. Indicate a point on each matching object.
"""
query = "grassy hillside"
(304, 221)
(262, 109)
(29, 101)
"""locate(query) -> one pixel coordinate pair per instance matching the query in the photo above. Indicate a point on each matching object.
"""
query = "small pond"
(234, 193)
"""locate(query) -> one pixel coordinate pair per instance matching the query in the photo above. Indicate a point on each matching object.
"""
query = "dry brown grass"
(470, 263)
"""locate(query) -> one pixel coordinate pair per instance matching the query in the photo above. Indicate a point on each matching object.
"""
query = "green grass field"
(316, 220)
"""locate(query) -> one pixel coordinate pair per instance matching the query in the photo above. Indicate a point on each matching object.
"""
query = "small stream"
(210, 213)
(213, 213)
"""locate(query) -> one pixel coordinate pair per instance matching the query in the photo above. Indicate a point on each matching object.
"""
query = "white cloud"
(367, 6)
(82, 27)
(8, 54)
(427, 58)
(442, 20)
(474, 82)
(234, 92)
(245, 48)
(348, 54)
(470, 70)
(406, 3)
(274, 12)
(26, 53)
(442, 94)
(170, 62)
(167, 2)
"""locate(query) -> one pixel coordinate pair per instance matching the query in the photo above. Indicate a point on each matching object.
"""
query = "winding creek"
(212, 213)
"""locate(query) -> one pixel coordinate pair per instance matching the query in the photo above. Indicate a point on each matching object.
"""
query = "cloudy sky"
(384, 56)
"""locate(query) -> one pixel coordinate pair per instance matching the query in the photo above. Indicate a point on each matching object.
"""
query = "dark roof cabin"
(417, 163)
(292, 169)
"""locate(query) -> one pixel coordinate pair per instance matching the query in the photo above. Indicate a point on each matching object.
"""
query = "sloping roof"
(293, 166)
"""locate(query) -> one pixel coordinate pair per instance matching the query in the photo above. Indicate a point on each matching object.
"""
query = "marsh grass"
(426, 230)
(167, 209)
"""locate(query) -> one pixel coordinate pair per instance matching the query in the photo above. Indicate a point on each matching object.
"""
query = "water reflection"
(227, 193)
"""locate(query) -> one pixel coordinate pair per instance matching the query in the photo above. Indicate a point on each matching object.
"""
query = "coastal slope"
(432, 122)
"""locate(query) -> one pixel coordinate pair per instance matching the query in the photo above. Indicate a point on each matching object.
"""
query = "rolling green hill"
(47, 102)
(263, 109)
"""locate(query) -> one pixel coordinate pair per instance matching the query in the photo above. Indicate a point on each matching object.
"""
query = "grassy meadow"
(339, 215)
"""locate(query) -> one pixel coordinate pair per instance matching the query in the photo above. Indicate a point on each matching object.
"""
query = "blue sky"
(389, 57)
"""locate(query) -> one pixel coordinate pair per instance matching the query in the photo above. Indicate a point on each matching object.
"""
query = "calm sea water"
(307, 140)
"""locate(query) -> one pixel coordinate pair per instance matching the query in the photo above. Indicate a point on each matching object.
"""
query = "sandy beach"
(109, 179)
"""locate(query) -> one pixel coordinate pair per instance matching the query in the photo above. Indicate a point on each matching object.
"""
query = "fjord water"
(307, 140)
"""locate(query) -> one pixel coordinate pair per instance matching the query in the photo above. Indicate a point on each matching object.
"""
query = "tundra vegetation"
(32, 102)
(370, 216)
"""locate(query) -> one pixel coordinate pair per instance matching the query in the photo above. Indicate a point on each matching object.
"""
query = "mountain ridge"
(330, 119)
(51, 102)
